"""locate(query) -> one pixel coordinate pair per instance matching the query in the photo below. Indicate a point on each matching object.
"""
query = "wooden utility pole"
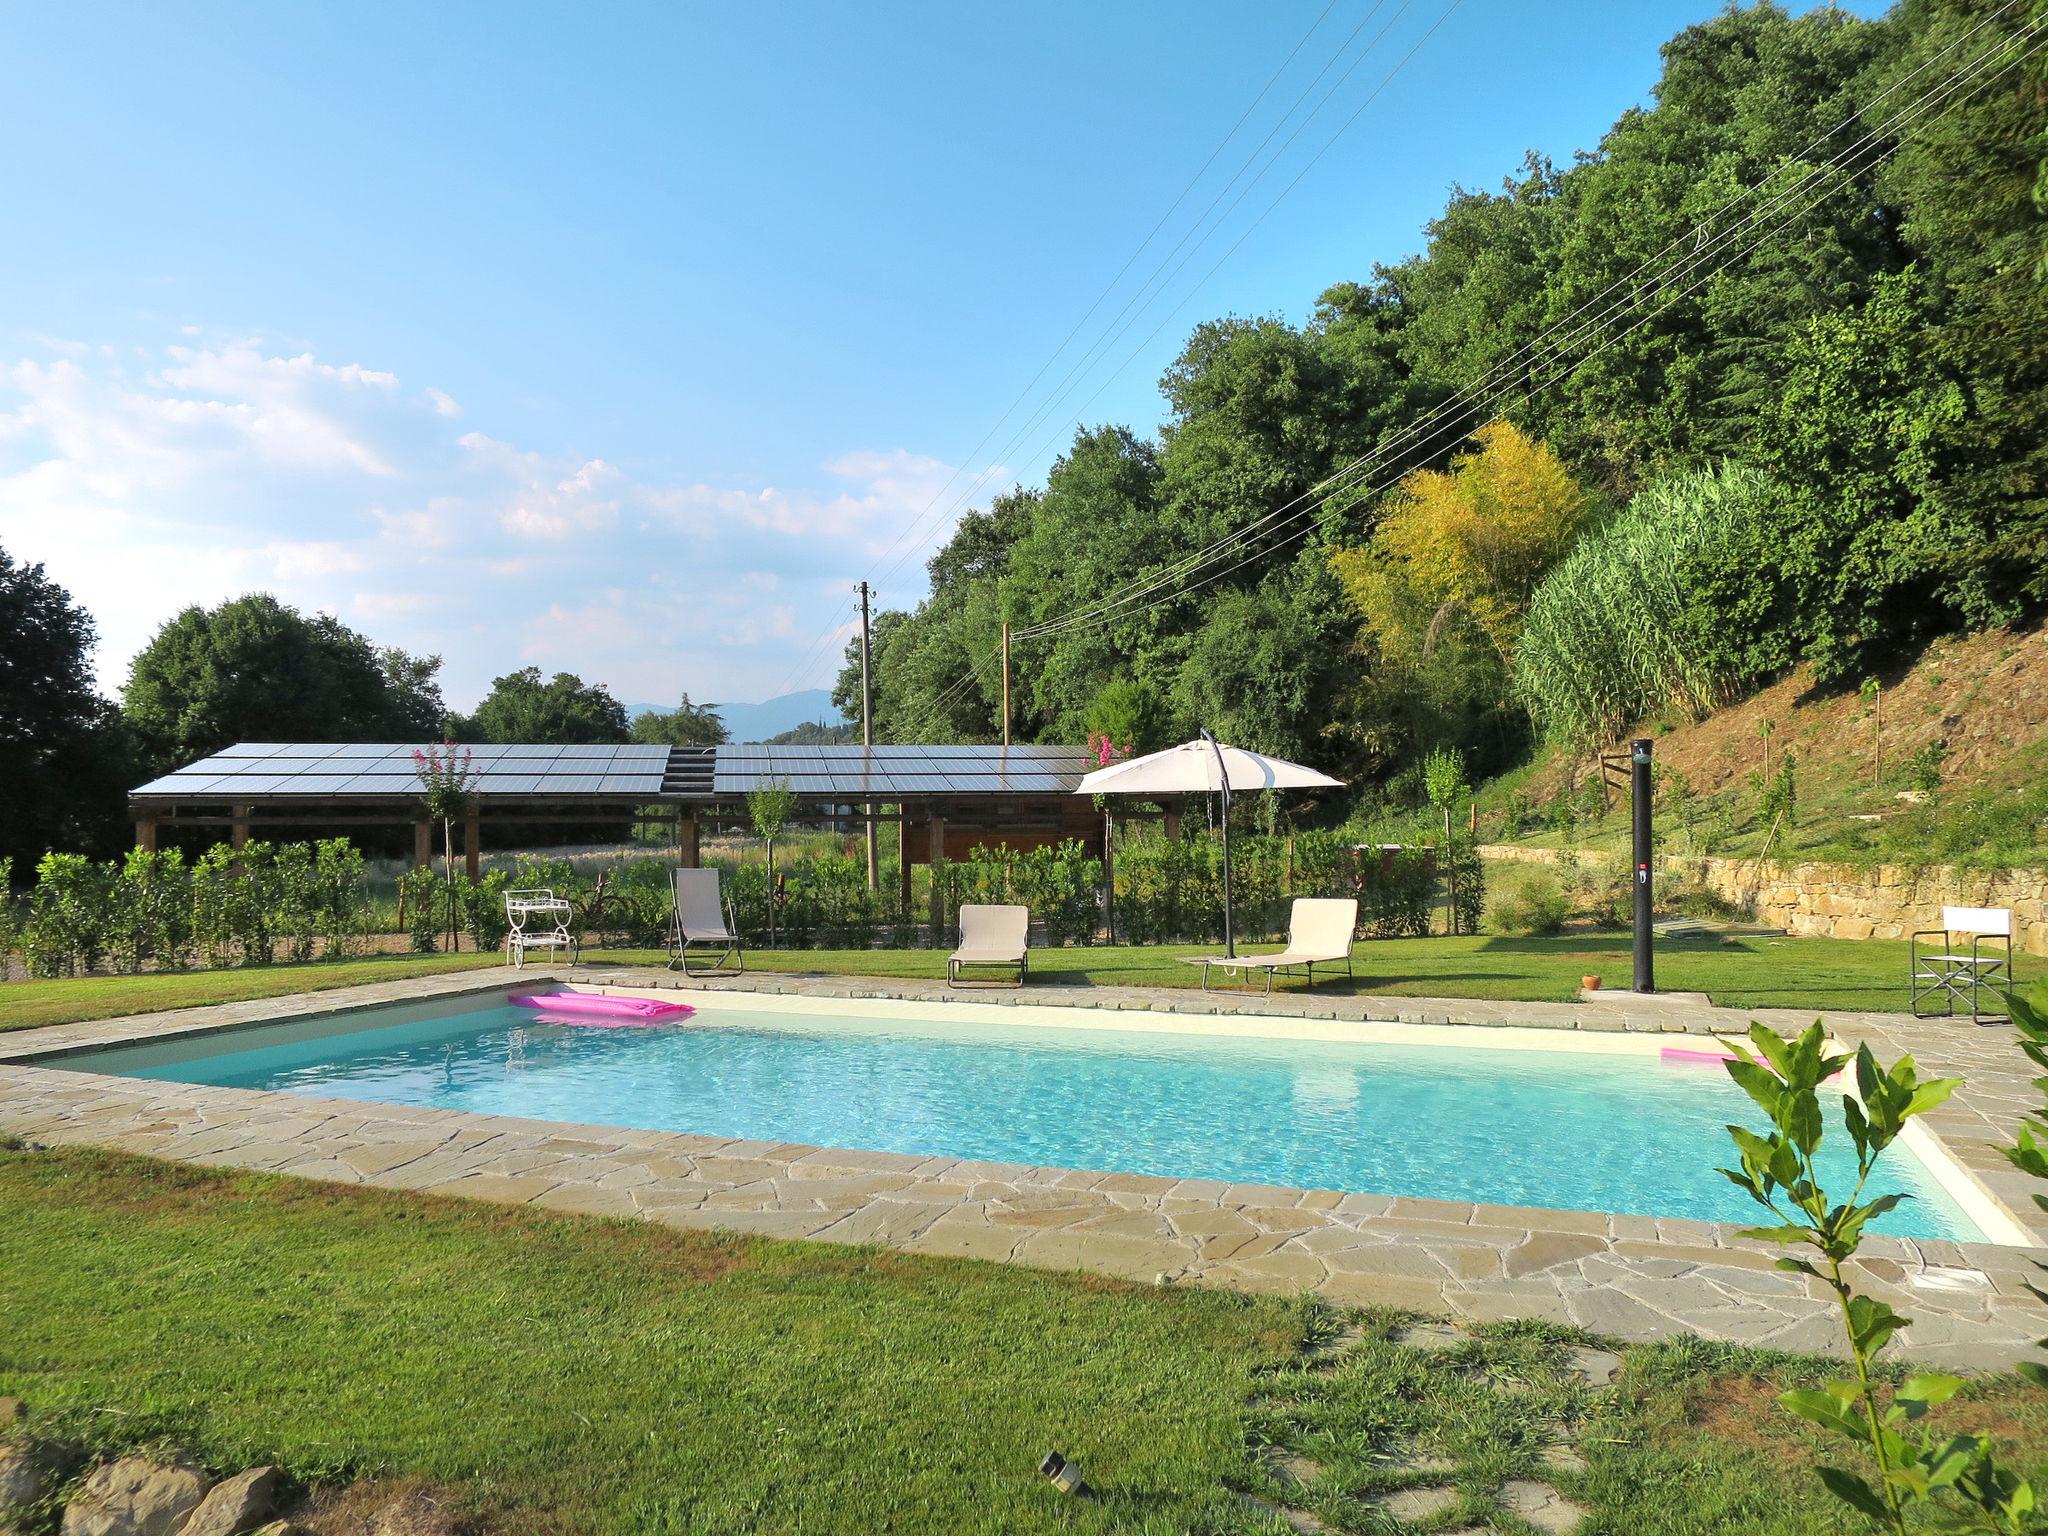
(867, 734)
(1006, 683)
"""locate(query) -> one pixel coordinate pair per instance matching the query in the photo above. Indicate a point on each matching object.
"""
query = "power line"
(1179, 198)
(1549, 338)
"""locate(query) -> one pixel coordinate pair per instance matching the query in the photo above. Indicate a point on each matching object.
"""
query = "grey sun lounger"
(702, 921)
(1319, 932)
(992, 937)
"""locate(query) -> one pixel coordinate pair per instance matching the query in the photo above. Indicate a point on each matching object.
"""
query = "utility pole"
(1006, 682)
(867, 732)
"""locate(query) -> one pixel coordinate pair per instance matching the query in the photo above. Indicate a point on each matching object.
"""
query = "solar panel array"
(886, 773)
(267, 770)
(264, 770)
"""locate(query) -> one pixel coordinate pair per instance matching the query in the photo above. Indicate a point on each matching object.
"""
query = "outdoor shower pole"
(1223, 777)
(867, 739)
(1639, 796)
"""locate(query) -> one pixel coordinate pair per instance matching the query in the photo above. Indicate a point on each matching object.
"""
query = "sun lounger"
(702, 919)
(992, 936)
(1319, 932)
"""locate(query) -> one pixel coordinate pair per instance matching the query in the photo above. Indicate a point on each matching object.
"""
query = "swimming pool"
(1609, 1126)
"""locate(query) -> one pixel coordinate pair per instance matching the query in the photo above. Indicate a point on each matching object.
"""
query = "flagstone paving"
(1625, 1277)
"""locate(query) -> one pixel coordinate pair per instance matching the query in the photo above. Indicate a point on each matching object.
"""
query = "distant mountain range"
(771, 717)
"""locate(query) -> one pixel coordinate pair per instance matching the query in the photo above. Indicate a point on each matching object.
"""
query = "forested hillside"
(1601, 481)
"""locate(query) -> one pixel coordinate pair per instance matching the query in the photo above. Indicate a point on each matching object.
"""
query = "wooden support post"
(472, 845)
(902, 868)
(1172, 821)
(1109, 873)
(1006, 684)
(145, 833)
(422, 843)
(687, 847)
(938, 859)
(238, 829)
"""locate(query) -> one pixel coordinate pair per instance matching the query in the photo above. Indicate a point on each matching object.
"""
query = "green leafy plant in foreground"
(1779, 1172)
(2029, 1013)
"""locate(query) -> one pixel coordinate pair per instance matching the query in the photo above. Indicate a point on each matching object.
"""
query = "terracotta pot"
(1590, 983)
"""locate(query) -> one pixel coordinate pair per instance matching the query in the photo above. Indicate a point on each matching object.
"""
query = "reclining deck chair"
(1319, 930)
(702, 918)
(992, 936)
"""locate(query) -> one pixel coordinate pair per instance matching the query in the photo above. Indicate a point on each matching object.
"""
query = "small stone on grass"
(1417, 1503)
(1596, 1367)
(1430, 1336)
(1542, 1506)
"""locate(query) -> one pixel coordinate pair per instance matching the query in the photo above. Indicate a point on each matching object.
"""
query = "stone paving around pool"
(1627, 1277)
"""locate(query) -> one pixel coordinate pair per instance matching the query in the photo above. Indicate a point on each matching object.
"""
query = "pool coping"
(1629, 1277)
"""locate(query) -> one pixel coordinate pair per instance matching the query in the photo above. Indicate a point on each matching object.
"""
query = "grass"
(1826, 975)
(601, 1376)
(1745, 972)
(567, 1376)
(27, 1004)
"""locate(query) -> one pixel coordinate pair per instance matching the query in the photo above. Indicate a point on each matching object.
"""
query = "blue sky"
(624, 339)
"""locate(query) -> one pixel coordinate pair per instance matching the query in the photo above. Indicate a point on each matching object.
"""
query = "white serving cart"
(540, 920)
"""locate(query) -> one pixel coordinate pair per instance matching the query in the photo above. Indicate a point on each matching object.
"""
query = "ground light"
(1064, 1475)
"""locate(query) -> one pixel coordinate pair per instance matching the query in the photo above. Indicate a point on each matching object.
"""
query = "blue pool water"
(1577, 1131)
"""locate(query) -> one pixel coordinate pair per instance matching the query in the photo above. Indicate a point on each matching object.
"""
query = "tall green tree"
(254, 669)
(64, 758)
(687, 725)
(562, 710)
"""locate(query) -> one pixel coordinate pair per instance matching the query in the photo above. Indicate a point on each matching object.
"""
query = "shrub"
(297, 897)
(150, 911)
(483, 910)
(425, 913)
(344, 899)
(66, 930)
(1538, 908)
(1634, 618)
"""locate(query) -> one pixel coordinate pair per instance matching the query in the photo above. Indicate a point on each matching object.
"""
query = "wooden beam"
(238, 827)
(422, 843)
(145, 833)
(689, 851)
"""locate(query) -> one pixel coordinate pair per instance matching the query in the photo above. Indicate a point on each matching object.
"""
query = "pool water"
(1580, 1131)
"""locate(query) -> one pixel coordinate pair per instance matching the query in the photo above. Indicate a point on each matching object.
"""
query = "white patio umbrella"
(1205, 766)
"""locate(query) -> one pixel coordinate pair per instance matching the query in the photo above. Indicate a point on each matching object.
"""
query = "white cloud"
(206, 469)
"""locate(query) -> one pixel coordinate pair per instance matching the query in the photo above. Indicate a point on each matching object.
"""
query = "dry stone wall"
(1848, 901)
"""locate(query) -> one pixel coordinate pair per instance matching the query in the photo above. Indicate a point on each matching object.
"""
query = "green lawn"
(569, 1376)
(26, 1004)
(1822, 974)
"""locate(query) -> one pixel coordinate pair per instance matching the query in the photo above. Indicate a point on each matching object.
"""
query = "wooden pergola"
(947, 799)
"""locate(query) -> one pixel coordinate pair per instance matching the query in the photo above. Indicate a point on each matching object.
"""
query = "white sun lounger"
(992, 936)
(703, 917)
(1319, 932)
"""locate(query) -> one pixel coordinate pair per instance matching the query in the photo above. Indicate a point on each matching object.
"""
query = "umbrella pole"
(1223, 780)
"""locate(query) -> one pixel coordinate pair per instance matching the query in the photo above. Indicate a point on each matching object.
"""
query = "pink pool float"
(594, 1010)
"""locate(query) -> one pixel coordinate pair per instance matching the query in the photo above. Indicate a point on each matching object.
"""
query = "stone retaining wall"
(1846, 901)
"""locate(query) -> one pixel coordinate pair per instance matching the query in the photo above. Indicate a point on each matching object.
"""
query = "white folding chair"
(703, 918)
(1950, 973)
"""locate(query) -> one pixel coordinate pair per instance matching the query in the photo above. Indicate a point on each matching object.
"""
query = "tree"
(254, 669)
(1476, 539)
(1130, 715)
(687, 725)
(64, 758)
(562, 710)
(770, 806)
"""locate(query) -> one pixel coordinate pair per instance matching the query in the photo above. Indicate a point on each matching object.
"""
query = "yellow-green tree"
(1470, 541)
